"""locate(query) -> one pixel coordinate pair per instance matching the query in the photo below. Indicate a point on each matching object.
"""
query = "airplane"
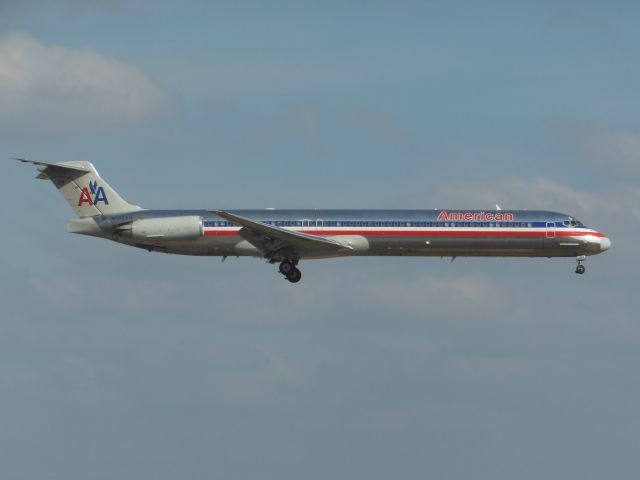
(288, 236)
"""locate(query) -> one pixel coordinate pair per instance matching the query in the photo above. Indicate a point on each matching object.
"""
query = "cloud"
(516, 193)
(42, 84)
(539, 193)
(611, 208)
(613, 150)
(437, 295)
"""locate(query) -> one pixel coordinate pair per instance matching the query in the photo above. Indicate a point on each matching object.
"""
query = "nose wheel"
(290, 271)
(580, 269)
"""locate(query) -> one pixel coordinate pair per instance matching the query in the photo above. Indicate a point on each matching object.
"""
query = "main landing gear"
(580, 269)
(290, 271)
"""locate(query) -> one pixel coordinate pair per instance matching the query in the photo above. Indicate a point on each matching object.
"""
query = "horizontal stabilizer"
(45, 168)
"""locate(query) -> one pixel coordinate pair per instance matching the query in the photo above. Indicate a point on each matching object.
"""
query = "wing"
(275, 242)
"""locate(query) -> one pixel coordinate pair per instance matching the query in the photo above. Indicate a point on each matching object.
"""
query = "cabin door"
(551, 230)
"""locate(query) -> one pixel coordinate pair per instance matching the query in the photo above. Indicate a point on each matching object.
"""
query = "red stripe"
(210, 233)
(424, 233)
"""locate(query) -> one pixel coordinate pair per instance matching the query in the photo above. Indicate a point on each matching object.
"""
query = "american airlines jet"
(288, 236)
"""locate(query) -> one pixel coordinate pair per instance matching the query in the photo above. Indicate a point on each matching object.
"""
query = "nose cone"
(605, 244)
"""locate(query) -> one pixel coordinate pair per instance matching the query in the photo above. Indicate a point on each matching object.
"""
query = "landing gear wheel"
(294, 276)
(580, 269)
(289, 270)
(286, 268)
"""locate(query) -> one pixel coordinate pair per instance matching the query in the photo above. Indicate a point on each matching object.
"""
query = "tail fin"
(83, 188)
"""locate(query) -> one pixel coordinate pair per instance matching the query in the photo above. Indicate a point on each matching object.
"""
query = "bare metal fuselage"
(288, 236)
(364, 232)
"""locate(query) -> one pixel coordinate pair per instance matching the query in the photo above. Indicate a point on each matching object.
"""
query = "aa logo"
(93, 195)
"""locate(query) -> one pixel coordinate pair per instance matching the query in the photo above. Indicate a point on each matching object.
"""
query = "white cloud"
(42, 83)
(517, 193)
(430, 294)
(539, 193)
(616, 150)
(613, 209)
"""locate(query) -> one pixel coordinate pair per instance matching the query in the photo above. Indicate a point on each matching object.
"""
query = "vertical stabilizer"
(83, 188)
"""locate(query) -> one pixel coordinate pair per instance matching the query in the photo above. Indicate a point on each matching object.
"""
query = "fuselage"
(512, 233)
(288, 236)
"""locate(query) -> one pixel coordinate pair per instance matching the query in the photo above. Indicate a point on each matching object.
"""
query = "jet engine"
(167, 228)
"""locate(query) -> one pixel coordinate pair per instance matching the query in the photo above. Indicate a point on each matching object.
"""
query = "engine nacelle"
(357, 243)
(167, 228)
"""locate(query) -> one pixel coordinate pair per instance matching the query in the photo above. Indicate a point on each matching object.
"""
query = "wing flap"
(272, 240)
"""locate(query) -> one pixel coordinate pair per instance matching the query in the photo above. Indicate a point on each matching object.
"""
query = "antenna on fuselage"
(498, 207)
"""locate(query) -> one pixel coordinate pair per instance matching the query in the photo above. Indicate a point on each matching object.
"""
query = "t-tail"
(83, 188)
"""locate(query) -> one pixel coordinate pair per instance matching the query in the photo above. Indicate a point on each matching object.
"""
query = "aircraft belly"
(201, 246)
(571, 246)
(389, 245)
(456, 246)
(404, 246)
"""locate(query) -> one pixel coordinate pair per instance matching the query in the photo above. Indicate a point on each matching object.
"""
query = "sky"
(118, 363)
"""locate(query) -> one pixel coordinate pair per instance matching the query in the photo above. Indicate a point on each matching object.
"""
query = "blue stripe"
(386, 223)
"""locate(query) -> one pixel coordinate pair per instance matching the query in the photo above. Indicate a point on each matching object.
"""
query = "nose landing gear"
(290, 271)
(580, 269)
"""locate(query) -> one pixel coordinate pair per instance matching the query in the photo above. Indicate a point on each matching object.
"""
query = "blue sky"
(119, 363)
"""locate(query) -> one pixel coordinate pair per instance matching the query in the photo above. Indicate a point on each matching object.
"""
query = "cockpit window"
(572, 223)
